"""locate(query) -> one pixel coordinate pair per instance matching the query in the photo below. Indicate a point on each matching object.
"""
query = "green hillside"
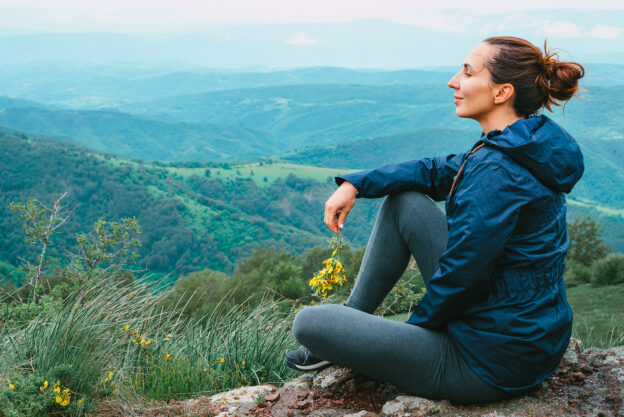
(193, 216)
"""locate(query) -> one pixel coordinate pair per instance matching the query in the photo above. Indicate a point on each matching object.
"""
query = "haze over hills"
(90, 86)
(586, 35)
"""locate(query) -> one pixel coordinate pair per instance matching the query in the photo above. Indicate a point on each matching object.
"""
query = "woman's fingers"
(338, 206)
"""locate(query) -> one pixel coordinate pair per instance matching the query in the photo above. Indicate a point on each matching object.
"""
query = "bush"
(576, 273)
(608, 270)
(405, 295)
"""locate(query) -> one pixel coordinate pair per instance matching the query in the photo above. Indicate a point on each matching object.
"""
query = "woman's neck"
(498, 120)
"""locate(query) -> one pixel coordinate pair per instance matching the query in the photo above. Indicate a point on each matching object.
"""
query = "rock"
(330, 378)
(331, 412)
(593, 385)
(238, 401)
(302, 381)
(273, 396)
(410, 406)
(362, 413)
(575, 345)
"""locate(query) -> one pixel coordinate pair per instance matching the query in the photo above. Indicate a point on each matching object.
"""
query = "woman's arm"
(430, 176)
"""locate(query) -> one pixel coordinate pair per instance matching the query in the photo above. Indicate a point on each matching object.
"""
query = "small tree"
(40, 223)
(107, 247)
(103, 251)
(586, 246)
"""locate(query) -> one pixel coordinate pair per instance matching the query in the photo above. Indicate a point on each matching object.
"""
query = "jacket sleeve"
(430, 176)
(485, 210)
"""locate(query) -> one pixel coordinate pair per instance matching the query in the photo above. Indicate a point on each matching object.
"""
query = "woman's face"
(474, 94)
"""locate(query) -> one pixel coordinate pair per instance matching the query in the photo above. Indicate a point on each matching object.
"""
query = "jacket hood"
(544, 148)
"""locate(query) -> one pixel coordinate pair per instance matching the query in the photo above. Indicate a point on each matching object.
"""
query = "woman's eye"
(466, 74)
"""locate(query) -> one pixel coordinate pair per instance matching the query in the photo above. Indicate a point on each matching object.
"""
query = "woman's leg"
(407, 223)
(419, 361)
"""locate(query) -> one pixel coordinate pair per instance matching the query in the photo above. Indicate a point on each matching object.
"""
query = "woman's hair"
(539, 80)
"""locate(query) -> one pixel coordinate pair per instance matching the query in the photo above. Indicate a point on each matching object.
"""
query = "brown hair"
(539, 80)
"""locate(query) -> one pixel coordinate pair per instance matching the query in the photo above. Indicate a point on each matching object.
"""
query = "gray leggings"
(419, 361)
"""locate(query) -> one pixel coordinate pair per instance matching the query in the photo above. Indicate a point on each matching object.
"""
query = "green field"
(262, 173)
(598, 315)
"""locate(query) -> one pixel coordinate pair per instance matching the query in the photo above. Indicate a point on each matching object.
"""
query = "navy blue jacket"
(499, 291)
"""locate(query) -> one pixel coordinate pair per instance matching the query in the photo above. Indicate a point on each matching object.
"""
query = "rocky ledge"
(590, 383)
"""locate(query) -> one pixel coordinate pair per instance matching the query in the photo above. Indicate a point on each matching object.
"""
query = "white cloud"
(558, 29)
(300, 39)
(451, 21)
(605, 32)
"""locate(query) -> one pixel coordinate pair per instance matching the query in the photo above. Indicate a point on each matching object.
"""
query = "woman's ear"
(503, 93)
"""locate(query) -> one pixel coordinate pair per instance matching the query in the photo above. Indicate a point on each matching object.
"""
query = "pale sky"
(188, 15)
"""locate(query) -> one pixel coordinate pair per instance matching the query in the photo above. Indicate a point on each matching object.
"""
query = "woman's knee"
(307, 323)
(408, 200)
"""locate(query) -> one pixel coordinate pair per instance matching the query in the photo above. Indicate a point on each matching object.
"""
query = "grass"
(605, 210)
(115, 343)
(257, 171)
(598, 315)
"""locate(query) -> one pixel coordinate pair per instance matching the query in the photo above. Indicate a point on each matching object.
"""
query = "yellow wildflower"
(244, 363)
(333, 273)
(110, 374)
(11, 386)
(144, 342)
(57, 388)
(80, 401)
(126, 327)
(168, 357)
(221, 360)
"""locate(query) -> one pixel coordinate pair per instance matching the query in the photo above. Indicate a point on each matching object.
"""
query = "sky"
(140, 16)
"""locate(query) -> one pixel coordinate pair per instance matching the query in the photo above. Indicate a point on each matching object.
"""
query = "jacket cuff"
(355, 178)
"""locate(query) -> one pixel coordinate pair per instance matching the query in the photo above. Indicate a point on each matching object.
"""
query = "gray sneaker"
(304, 360)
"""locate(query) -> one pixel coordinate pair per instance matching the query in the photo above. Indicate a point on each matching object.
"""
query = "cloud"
(558, 30)
(451, 21)
(300, 39)
(605, 32)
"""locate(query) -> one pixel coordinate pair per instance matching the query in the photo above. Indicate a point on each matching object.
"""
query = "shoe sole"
(316, 366)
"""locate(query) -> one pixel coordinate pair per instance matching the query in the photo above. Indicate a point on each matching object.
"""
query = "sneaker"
(304, 360)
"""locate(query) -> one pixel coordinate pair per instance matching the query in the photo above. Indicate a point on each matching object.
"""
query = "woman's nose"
(453, 83)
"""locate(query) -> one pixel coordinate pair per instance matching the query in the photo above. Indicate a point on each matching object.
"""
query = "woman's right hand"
(338, 206)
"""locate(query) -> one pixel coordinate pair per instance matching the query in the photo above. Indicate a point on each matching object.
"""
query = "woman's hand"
(339, 205)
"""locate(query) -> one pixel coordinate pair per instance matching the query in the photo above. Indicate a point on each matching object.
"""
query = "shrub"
(576, 273)
(586, 245)
(608, 270)
(405, 295)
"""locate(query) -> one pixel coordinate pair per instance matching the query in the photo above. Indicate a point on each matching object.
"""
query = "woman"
(494, 321)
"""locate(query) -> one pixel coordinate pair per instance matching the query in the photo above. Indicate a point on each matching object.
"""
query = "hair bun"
(560, 78)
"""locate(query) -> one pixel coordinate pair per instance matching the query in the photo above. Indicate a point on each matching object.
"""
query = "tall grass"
(587, 333)
(110, 340)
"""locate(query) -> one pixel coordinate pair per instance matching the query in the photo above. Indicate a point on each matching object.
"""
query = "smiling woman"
(494, 321)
